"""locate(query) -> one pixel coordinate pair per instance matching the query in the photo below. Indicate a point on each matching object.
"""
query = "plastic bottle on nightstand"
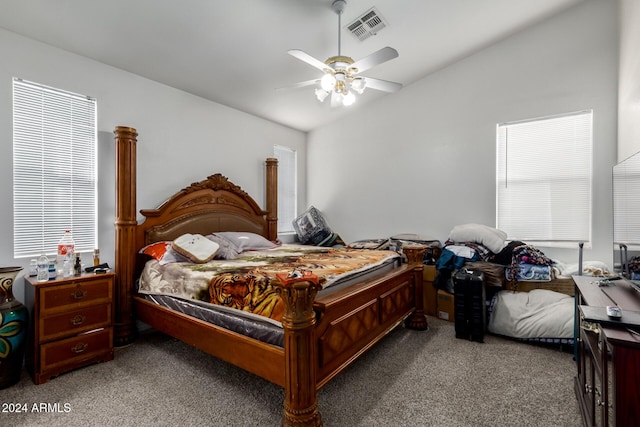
(53, 273)
(67, 266)
(33, 268)
(77, 267)
(43, 269)
(66, 245)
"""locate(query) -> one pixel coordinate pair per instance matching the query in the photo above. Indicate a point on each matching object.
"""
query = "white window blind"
(544, 169)
(626, 202)
(287, 187)
(54, 169)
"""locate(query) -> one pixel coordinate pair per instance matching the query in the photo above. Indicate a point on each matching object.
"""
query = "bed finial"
(301, 403)
(415, 256)
(125, 330)
(272, 198)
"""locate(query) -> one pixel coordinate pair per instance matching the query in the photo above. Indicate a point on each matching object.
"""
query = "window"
(543, 192)
(626, 204)
(287, 187)
(54, 169)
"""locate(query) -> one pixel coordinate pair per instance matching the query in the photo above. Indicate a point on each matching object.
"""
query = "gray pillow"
(226, 250)
(240, 241)
(311, 228)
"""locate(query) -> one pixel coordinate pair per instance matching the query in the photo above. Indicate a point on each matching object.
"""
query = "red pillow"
(156, 250)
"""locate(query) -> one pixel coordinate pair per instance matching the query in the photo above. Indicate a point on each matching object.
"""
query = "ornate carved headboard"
(214, 204)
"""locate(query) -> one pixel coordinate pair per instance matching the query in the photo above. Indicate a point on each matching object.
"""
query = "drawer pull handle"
(79, 348)
(79, 294)
(78, 320)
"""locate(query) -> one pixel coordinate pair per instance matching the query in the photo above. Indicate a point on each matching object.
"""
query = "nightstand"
(71, 323)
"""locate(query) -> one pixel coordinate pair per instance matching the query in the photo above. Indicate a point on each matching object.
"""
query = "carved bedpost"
(415, 256)
(298, 320)
(272, 198)
(125, 224)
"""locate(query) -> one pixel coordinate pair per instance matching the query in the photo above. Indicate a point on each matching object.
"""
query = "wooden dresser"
(608, 381)
(71, 323)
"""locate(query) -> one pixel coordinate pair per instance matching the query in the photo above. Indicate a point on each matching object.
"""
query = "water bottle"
(67, 267)
(33, 268)
(53, 273)
(66, 245)
(43, 269)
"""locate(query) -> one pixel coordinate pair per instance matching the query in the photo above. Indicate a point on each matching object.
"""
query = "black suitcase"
(469, 300)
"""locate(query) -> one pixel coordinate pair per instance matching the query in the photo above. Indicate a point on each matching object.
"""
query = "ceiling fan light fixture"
(348, 99)
(327, 82)
(321, 94)
(358, 84)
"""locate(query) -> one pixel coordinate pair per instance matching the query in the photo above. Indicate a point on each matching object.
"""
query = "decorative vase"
(14, 318)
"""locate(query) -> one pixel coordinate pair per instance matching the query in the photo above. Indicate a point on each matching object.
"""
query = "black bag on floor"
(469, 298)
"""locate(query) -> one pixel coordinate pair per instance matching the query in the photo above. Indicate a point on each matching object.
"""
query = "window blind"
(287, 187)
(626, 203)
(54, 169)
(543, 177)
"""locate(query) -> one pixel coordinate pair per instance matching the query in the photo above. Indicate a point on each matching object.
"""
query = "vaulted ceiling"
(234, 52)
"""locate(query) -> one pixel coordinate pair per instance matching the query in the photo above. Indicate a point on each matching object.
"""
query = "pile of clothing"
(396, 242)
(524, 262)
(477, 244)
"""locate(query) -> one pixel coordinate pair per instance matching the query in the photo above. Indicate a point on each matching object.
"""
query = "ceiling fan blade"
(300, 84)
(383, 85)
(305, 57)
(383, 55)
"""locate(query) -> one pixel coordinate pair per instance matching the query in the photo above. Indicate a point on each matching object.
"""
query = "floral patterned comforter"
(245, 283)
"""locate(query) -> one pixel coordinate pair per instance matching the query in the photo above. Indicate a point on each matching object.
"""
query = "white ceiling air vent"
(367, 25)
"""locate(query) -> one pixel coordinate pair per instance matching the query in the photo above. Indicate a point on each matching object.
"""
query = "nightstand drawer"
(74, 322)
(77, 293)
(75, 350)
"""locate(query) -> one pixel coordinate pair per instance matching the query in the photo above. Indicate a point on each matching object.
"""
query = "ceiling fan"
(342, 74)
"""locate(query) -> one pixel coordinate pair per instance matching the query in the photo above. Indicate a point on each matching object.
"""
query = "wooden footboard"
(352, 321)
(324, 335)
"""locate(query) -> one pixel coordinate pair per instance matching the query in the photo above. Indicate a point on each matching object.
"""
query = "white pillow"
(196, 247)
(490, 237)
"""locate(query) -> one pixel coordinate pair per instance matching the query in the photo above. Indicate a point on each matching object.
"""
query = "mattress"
(187, 288)
(257, 328)
(536, 315)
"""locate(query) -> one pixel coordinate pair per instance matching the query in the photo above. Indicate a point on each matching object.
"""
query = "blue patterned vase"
(13, 329)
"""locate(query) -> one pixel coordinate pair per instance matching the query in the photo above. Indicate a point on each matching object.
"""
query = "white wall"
(182, 138)
(629, 86)
(423, 160)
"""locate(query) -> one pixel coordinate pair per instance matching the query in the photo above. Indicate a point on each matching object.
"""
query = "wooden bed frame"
(322, 335)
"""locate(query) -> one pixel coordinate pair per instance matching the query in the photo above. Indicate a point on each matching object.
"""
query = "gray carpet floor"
(410, 378)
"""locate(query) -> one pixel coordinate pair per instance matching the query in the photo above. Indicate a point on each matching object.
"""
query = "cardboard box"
(429, 273)
(445, 305)
(429, 291)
